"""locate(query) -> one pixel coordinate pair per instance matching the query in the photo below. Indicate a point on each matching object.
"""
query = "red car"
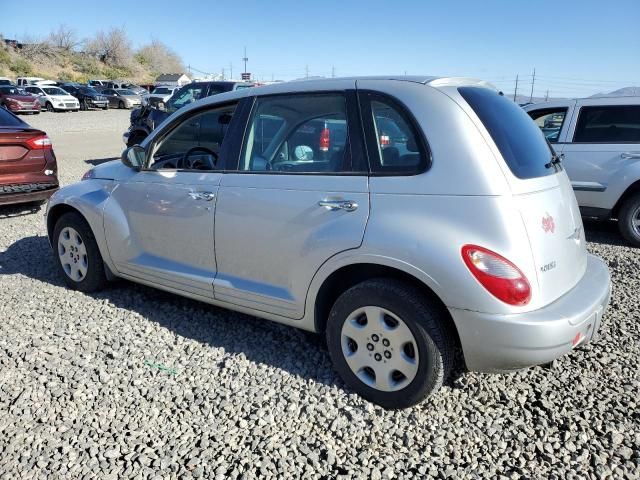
(28, 168)
(17, 100)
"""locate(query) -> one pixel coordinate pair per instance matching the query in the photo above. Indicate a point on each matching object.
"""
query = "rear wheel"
(77, 255)
(629, 220)
(390, 343)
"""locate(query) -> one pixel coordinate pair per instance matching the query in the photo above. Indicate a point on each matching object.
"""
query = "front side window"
(521, 143)
(195, 143)
(608, 124)
(549, 121)
(297, 134)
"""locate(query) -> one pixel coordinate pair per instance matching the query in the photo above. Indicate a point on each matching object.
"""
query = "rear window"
(521, 143)
(608, 124)
(8, 119)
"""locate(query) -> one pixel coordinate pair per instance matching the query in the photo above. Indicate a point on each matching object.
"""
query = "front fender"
(88, 198)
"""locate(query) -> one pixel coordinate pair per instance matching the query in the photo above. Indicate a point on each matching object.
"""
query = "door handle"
(346, 205)
(206, 196)
(630, 155)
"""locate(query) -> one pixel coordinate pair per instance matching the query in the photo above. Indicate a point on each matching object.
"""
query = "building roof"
(170, 77)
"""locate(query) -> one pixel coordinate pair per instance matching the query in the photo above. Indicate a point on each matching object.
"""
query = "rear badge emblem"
(548, 225)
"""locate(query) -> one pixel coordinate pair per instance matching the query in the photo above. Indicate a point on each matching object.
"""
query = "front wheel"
(49, 107)
(389, 342)
(629, 220)
(77, 255)
(83, 105)
(121, 104)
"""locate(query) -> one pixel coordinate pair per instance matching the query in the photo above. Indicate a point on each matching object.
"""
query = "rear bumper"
(27, 195)
(498, 343)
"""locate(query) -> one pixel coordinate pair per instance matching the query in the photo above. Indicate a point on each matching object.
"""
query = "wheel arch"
(347, 275)
(631, 190)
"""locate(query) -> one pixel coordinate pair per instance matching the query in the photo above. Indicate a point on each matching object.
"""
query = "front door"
(159, 224)
(299, 196)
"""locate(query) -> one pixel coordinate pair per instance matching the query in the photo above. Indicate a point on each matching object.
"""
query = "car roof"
(341, 83)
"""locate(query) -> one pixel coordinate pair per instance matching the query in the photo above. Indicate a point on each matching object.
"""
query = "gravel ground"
(137, 383)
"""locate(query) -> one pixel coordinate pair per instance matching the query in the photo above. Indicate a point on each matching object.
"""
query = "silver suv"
(403, 218)
(599, 139)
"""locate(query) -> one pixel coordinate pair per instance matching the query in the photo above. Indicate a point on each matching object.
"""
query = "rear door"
(603, 139)
(540, 189)
(298, 197)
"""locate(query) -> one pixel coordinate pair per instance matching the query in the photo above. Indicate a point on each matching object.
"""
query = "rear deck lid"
(541, 192)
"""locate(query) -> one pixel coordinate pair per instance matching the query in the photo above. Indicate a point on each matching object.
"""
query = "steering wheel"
(185, 163)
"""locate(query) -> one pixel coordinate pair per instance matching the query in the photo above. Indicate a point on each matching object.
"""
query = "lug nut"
(375, 337)
(387, 354)
(385, 342)
(378, 357)
(369, 346)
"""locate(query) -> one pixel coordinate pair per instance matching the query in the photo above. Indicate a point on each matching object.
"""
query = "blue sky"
(577, 48)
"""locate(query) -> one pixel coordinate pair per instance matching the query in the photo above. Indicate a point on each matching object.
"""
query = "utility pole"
(231, 70)
(515, 92)
(306, 71)
(245, 59)
(222, 73)
(189, 67)
(333, 72)
(546, 97)
(533, 82)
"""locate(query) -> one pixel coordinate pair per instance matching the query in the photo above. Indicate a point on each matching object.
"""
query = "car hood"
(63, 98)
(21, 98)
(113, 170)
(131, 97)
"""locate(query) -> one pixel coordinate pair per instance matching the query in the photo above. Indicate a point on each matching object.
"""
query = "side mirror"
(161, 106)
(134, 157)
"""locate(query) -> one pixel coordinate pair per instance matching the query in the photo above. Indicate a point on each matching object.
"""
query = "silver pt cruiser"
(403, 218)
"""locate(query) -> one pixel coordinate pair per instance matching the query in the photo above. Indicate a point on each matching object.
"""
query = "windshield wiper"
(555, 160)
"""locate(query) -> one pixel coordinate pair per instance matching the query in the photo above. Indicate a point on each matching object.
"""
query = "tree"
(64, 38)
(112, 47)
(159, 58)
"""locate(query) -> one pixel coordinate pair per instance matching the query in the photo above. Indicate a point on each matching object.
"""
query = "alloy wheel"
(379, 348)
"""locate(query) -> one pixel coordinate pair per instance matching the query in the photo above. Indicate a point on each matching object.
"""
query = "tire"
(427, 359)
(135, 139)
(87, 255)
(49, 107)
(106, 107)
(121, 104)
(629, 220)
(83, 105)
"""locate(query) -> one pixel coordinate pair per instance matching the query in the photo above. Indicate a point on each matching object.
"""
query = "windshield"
(125, 92)
(161, 90)
(54, 91)
(9, 120)
(89, 90)
(186, 96)
(12, 91)
(521, 143)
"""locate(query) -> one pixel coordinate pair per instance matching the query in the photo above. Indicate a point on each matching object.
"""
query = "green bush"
(5, 58)
(22, 67)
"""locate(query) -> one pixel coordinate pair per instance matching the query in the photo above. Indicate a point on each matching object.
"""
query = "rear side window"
(395, 145)
(608, 124)
(521, 143)
(8, 119)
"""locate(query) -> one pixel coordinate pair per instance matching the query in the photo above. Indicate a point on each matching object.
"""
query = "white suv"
(54, 99)
(599, 140)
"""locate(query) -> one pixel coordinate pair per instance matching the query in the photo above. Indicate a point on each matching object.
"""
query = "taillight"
(385, 140)
(498, 275)
(41, 142)
(325, 141)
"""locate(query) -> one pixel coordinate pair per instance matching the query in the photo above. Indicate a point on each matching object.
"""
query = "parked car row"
(317, 192)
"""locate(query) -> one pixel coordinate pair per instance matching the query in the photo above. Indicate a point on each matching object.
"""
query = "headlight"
(88, 175)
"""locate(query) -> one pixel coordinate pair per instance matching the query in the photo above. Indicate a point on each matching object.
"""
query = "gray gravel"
(137, 383)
